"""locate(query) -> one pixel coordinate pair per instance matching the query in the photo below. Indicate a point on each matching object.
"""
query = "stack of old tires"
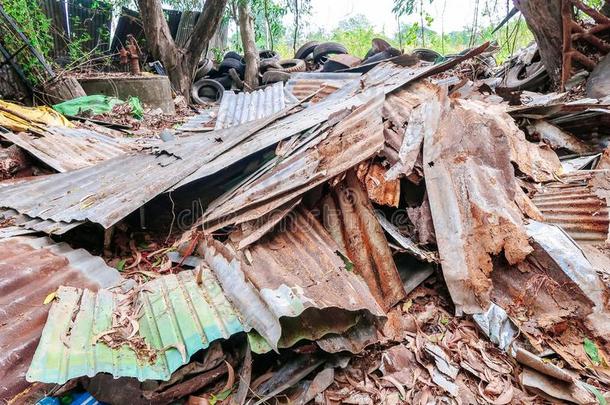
(212, 79)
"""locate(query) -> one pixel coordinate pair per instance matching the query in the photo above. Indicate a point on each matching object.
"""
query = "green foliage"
(592, 351)
(356, 33)
(268, 26)
(33, 23)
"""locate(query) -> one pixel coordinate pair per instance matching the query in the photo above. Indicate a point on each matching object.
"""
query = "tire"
(231, 63)
(268, 55)
(233, 55)
(305, 50)
(204, 69)
(267, 64)
(383, 55)
(205, 91)
(518, 77)
(332, 66)
(378, 45)
(273, 76)
(225, 81)
(427, 55)
(291, 66)
(325, 49)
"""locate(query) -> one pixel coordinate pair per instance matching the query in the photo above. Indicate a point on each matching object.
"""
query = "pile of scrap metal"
(321, 271)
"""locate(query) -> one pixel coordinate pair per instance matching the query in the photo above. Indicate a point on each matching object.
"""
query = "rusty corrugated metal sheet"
(326, 153)
(292, 286)
(304, 84)
(103, 194)
(574, 205)
(66, 149)
(30, 269)
(349, 217)
(22, 224)
(468, 147)
(236, 109)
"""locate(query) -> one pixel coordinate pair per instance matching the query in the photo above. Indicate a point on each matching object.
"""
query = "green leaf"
(120, 266)
(598, 395)
(349, 266)
(220, 397)
(592, 351)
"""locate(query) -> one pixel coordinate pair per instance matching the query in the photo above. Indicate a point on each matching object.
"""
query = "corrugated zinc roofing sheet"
(66, 149)
(24, 224)
(574, 205)
(304, 84)
(30, 269)
(242, 107)
(295, 286)
(179, 317)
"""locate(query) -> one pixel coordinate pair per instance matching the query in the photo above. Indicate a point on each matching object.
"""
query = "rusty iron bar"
(572, 31)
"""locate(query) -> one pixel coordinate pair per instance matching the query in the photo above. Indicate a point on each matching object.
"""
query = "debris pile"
(392, 230)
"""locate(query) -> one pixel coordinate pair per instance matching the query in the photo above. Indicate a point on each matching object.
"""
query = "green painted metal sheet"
(178, 318)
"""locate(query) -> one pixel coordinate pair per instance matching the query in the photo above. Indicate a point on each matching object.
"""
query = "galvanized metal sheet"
(204, 121)
(55, 11)
(236, 109)
(92, 17)
(103, 194)
(31, 269)
(66, 149)
(294, 287)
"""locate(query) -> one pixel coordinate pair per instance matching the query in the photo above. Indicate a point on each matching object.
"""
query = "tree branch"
(205, 28)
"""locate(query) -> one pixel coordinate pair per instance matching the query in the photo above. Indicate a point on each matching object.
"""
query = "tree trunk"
(296, 26)
(246, 27)
(268, 26)
(543, 18)
(180, 63)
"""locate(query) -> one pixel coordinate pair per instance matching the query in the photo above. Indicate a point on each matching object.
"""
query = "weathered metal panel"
(202, 122)
(31, 269)
(467, 149)
(92, 17)
(236, 109)
(573, 205)
(299, 269)
(293, 287)
(180, 316)
(304, 84)
(11, 218)
(66, 149)
(55, 11)
(323, 155)
(188, 19)
(103, 194)
(349, 216)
